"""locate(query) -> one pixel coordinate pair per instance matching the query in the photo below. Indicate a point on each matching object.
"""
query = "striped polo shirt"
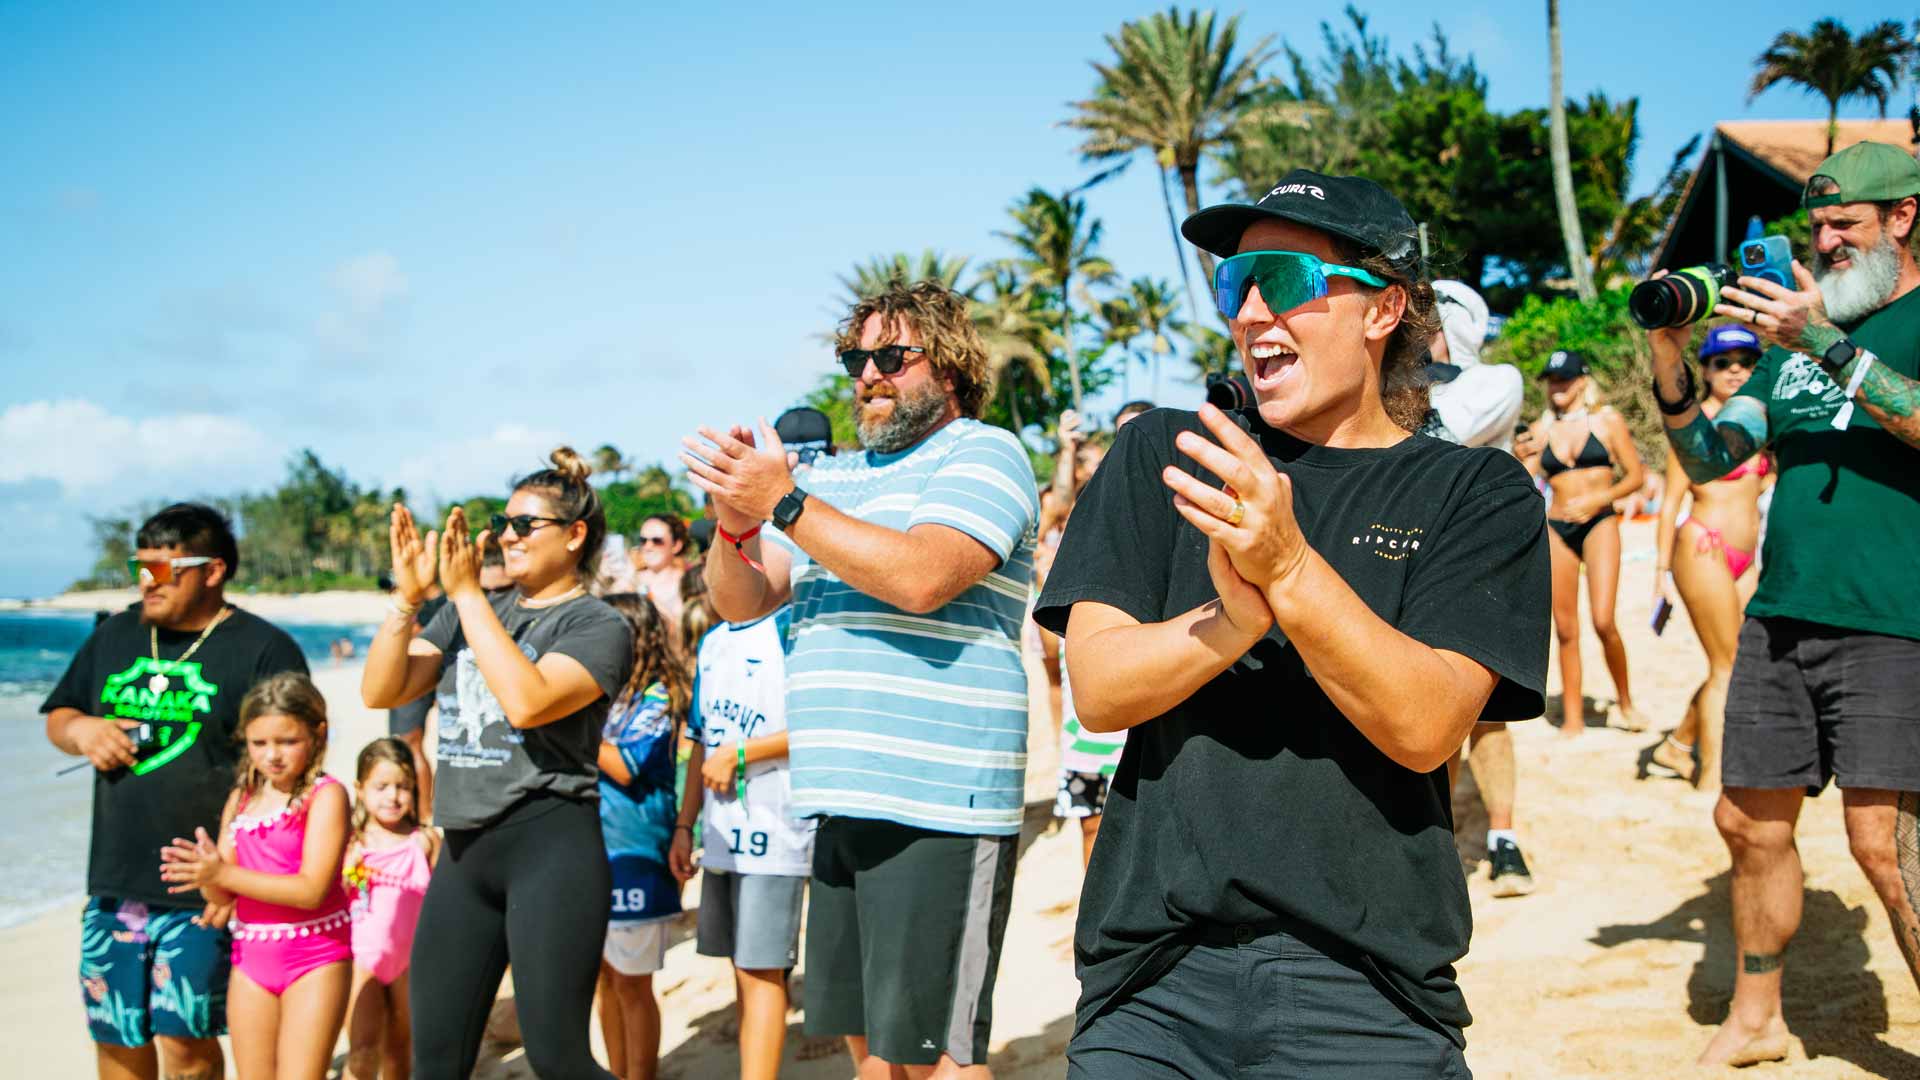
(917, 719)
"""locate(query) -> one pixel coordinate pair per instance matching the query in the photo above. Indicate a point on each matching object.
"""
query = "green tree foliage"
(1829, 61)
(1420, 124)
(878, 273)
(1057, 243)
(1176, 86)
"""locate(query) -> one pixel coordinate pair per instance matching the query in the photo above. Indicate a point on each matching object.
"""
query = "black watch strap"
(788, 509)
(1686, 393)
(1838, 355)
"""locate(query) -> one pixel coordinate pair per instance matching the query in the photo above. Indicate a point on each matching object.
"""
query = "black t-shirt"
(1255, 801)
(182, 777)
(484, 764)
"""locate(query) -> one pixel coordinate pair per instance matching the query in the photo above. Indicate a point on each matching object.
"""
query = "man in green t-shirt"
(1826, 681)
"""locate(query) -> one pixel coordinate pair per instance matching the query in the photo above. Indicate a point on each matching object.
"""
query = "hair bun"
(570, 464)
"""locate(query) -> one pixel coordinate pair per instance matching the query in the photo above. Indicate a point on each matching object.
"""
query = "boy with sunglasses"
(908, 567)
(151, 700)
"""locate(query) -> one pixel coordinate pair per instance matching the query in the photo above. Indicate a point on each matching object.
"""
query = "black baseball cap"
(1351, 207)
(803, 425)
(1564, 364)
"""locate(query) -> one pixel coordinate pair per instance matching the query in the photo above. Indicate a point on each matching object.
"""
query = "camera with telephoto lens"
(1682, 297)
(1229, 392)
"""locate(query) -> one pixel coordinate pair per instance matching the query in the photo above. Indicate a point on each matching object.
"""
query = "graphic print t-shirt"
(182, 777)
(484, 764)
(636, 818)
(1256, 801)
(739, 692)
(1843, 536)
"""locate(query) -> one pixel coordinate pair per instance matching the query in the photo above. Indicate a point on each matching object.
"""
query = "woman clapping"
(523, 679)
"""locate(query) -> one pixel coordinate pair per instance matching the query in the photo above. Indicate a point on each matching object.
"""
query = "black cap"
(1564, 364)
(1346, 206)
(803, 425)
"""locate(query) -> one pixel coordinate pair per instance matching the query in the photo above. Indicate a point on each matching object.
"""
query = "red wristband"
(737, 541)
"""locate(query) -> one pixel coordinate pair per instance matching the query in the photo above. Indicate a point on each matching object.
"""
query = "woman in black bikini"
(1579, 450)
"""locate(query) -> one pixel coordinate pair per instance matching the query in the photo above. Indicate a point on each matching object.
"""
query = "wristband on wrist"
(740, 772)
(1686, 393)
(1862, 360)
(401, 607)
(738, 543)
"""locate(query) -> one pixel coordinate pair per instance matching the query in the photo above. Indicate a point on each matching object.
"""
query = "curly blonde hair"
(938, 318)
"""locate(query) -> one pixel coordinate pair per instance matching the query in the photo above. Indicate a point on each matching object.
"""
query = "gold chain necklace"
(535, 605)
(159, 683)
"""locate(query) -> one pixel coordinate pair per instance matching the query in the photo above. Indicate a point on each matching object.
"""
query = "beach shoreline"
(330, 606)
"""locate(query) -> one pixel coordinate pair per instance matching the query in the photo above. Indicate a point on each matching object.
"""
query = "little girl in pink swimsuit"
(389, 864)
(278, 863)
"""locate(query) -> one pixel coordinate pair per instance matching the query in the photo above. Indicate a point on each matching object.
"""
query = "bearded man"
(908, 568)
(1825, 684)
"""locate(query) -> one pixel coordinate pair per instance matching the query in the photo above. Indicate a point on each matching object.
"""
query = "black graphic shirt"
(187, 766)
(483, 764)
(1255, 801)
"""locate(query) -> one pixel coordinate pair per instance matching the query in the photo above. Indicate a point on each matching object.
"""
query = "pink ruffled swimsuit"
(387, 908)
(273, 944)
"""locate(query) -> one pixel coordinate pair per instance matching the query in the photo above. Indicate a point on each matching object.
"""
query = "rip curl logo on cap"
(1297, 189)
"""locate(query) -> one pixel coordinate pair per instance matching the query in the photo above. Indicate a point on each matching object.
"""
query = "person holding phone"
(1297, 612)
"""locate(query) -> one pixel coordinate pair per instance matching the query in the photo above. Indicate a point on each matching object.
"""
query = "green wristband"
(740, 771)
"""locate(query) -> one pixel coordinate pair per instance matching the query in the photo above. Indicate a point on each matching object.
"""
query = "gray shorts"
(1811, 703)
(752, 919)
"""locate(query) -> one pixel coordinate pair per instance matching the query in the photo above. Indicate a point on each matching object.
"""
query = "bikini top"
(1754, 466)
(1593, 455)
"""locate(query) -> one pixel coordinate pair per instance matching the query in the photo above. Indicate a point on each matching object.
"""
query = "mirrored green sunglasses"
(1287, 279)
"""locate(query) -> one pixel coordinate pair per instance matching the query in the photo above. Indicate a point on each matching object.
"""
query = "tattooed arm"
(1707, 449)
(1888, 396)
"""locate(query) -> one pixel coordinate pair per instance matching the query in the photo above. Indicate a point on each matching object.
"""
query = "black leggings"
(534, 887)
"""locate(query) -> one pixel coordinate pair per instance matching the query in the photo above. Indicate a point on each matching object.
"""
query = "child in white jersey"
(756, 857)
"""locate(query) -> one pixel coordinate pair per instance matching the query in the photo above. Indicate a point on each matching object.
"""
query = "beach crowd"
(1271, 635)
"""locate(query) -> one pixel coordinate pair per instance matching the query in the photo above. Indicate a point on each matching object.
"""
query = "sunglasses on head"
(522, 524)
(163, 571)
(887, 359)
(1287, 279)
(1727, 360)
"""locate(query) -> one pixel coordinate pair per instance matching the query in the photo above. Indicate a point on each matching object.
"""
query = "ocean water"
(44, 850)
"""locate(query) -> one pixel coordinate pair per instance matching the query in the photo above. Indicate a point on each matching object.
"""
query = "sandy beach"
(1620, 965)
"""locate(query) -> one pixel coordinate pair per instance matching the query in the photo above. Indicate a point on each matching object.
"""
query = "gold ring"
(1239, 511)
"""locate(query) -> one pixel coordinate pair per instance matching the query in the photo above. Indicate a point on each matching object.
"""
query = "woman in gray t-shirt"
(523, 680)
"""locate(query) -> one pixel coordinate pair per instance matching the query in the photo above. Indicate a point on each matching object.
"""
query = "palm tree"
(1213, 352)
(609, 462)
(1119, 326)
(1175, 89)
(1157, 313)
(1577, 263)
(1004, 312)
(876, 274)
(1056, 241)
(1829, 61)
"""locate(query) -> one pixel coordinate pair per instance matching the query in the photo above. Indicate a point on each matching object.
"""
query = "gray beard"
(1863, 288)
(912, 415)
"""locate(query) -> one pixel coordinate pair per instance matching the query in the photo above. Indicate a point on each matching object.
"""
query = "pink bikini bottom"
(1711, 540)
(276, 955)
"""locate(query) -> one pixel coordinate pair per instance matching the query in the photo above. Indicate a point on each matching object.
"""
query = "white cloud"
(478, 466)
(371, 289)
(99, 458)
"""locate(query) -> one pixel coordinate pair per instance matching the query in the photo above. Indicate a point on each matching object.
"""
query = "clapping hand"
(186, 865)
(746, 475)
(413, 558)
(1252, 520)
(460, 555)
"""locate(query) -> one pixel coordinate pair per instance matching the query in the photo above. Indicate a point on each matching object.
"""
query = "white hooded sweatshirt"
(1482, 405)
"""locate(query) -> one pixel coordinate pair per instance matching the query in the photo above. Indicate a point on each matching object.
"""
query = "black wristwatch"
(1838, 355)
(788, 509)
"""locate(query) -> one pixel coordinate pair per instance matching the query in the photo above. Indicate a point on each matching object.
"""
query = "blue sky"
(432, 244)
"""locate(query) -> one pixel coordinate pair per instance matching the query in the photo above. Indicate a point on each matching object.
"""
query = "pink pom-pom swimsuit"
(274, 945)
(386, 909)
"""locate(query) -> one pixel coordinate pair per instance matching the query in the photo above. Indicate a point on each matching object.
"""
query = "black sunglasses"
(1724, 361)
(655, 541)
(887, 360)
(523, 524)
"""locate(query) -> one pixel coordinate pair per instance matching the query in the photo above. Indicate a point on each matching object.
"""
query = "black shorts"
(1811, 703)
(903, 938)
(1249, 1003)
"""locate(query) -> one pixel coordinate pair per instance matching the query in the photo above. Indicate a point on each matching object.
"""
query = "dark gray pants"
(1267, 1006)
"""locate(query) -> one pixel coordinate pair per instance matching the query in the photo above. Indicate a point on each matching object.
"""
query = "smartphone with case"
(1662, 611)
(1770, 258)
